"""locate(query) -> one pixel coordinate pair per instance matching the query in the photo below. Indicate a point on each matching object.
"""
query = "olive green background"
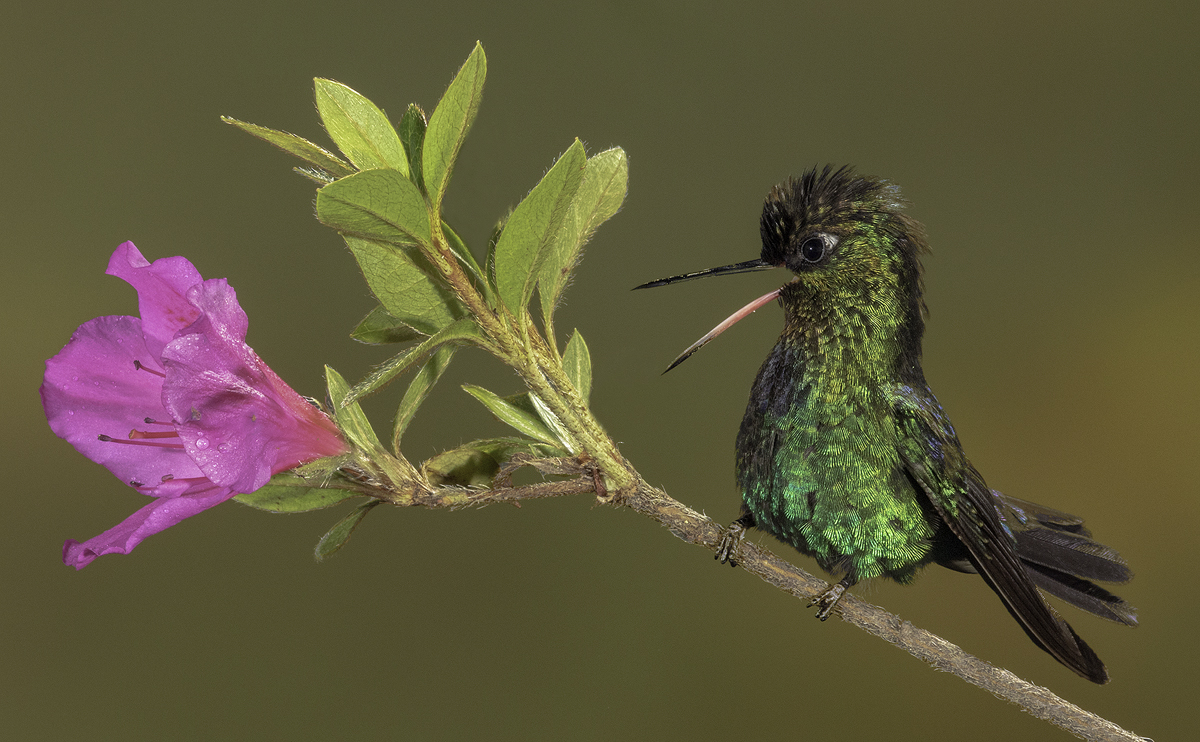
(1051, 151)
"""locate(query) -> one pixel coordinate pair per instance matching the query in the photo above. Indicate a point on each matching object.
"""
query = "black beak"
(750, 265)
(746, 267)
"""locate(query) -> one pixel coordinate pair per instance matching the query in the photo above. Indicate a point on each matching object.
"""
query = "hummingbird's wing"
(939, 468)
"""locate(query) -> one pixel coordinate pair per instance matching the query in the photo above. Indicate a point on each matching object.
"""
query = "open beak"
(746, 267)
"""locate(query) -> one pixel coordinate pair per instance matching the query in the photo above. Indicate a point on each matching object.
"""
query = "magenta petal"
(162, 292)
(237, 419)
(93, 387)
(159, 515)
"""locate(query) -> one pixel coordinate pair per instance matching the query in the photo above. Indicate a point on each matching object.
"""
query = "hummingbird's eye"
(816, 247)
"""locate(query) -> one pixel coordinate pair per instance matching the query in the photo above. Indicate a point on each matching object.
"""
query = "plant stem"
(526, 351)
(698, 529)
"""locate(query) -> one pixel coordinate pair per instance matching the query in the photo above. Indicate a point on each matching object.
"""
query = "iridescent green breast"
(819, 468)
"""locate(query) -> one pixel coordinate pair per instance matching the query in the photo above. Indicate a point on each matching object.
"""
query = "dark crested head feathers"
(837, 204)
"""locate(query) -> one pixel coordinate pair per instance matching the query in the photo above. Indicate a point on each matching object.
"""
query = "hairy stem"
(524, 349)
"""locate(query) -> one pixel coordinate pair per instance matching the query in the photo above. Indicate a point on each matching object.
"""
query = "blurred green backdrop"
(1052, 152)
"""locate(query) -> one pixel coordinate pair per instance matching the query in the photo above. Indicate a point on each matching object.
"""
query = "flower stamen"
(141, 367)
(135, 434)
(136, 441)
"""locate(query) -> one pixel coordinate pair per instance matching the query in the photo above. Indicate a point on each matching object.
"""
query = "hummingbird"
(844, 451)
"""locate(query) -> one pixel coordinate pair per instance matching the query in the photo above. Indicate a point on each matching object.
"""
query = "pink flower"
(175, 403)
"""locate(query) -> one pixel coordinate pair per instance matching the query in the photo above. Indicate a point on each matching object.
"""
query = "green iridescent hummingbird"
(845, 453)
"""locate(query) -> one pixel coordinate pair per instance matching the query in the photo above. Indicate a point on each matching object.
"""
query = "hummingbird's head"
(845, 236)
(835, 221)
(851, 248)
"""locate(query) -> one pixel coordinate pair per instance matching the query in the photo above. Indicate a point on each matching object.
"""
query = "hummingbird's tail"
(1018, 547)
(1061, 558)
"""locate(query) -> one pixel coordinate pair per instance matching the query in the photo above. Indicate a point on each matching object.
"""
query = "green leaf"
(577, 362)
(419, 389)
(522, 402)
(552, 422)
(449, 124)
(532, 405)
(531, 229)
(400, 279)
(359, 128)
(412, 136)
(463, 253)
(349, 416)
(489, 262)
(381, 328)
(527, 423)
(379, 204)
(476, 463)
(459, 331)
(320, 177)
(316, 156)
(341, 532)
(289, 493)
(600, 195)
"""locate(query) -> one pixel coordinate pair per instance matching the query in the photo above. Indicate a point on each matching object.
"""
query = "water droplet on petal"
(223, 448)
(201, 443)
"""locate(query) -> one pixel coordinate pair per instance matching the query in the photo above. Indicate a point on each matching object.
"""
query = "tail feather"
(1077, 555)
(1087, 596)
(1061, 558)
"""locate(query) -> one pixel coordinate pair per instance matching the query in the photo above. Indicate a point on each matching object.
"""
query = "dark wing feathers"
(935, 461)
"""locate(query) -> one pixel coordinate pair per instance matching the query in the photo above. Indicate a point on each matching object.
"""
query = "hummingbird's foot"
(828, 599)
(732, 539)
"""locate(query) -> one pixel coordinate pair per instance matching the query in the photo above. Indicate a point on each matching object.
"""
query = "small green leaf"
(522, 402)
(359, 128)
(531, 229)
(349, 416)
(318, 157)
(489, 263)
(577, 362)
(341, 532)
(412, 136)
(525, 422)
(476, 463)
(320, 177)
(600, 195)
(532, 405)
(378, 204)
(466, 259)
(552, 422)
(419, 389)
(289, 493)
(459, 331)
(381, 328)
(400, 279)
(449, 124)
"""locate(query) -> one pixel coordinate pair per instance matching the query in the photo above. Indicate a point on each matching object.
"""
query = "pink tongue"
(729, 322)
